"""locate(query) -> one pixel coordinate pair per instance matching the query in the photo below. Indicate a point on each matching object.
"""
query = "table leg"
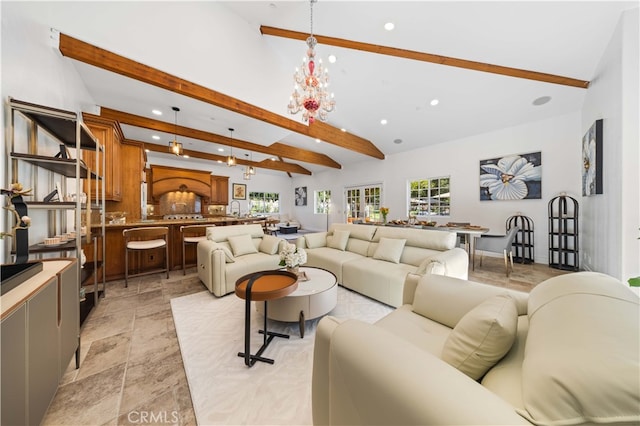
(249, 359)
(301, 324)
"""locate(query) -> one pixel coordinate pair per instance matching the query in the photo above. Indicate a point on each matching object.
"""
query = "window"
(430, 197)
(322, 202)
(367, 196)
(264, 202)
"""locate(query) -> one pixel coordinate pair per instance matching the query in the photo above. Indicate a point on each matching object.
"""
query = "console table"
(262, 286)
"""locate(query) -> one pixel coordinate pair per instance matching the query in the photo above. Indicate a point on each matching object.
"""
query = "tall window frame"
(430, 197)
(363, 202)
(322, 201)
(263, 202)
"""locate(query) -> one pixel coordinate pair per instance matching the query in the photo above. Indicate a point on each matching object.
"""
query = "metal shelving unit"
(523, 243)
(35, 129)
(563, 233)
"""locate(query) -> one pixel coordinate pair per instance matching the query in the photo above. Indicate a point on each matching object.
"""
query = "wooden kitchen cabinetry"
(220, 190)
(110, 135)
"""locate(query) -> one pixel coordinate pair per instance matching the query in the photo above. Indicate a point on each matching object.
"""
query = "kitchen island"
(114, 257)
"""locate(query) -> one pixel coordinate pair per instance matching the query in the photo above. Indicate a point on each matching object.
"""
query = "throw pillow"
(269, 244)
(315, 240)
(242, 244)
(483, 336)
(228, 256)
(338, 240)
(389, 249)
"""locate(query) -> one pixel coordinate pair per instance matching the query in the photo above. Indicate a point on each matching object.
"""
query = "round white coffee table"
(313, 298)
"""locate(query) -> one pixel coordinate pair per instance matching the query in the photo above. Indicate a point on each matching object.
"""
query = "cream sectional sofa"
(229, 252)
(375, 260)
(571, 356)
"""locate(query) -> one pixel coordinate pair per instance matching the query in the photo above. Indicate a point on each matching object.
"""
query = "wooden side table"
(262, 286)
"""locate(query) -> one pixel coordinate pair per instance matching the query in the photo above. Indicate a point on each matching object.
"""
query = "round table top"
(268, 285)
(318, 280)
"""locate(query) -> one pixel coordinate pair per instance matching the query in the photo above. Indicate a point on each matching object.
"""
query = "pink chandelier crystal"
(310, 91)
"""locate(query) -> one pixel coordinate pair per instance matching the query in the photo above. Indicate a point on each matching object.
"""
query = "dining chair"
(496, 244)
(138, 240)
(191, 234)
(461, 239)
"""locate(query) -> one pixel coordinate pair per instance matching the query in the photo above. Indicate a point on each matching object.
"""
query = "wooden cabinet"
(109, 134)
(220, 190)
(40, 332)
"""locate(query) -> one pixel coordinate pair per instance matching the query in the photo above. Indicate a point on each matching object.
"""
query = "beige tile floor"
(131, 368)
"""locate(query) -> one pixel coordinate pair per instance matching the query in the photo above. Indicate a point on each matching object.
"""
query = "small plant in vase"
(292, 257)
(384, 211)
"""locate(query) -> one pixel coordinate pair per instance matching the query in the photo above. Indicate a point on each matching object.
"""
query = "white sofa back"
(222, 233)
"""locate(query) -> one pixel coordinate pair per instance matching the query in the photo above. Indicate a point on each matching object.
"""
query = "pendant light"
(231, 160)
(246, 175)
(175, 146)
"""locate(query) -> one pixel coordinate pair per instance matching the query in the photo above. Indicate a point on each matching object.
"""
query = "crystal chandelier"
(310, 90)
(231, 160)
(175, 146)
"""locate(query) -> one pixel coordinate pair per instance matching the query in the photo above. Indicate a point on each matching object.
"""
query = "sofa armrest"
(211, 267)
(452, 263)
(375, 377)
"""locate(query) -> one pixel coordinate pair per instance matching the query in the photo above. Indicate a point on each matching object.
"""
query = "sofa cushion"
(228, 256)
(423, 238)
(338, 240)
(389, 249)
(483, 336)
(269, 244)
(434, 293)
(581, 361)
(242, 244)
(316, 239)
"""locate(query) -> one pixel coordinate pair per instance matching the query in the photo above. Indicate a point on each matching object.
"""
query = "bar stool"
(191, 234)
(138, 240)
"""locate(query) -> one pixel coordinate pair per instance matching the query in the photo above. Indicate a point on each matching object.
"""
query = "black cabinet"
(563, 233)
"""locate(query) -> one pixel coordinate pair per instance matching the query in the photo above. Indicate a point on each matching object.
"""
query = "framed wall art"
(592, 160)
(239, 191)
(301, 196)
(512, 177)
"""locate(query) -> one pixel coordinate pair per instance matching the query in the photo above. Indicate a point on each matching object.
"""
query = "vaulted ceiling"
(230, 65)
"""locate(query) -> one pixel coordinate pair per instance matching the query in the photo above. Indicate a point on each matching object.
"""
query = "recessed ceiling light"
(397, 141)
(220, 161)
(220, 149)
(541, 100)
(332, 59)
(156, 112)
(147, 150)
(389, 26)
(318, 140)
(273, 158)
(155, 137)
(434, 102)
(343, 129)
(383, 121)
(185, 156)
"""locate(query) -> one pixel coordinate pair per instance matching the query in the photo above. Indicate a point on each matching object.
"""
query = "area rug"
(223, 390)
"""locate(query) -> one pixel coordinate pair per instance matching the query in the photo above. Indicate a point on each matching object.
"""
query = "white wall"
(33, 71)
(610, 221)
(557, 138)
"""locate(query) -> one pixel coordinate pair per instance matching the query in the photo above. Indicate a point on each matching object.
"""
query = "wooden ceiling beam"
(428, 57)
(280, 166)
(101, 58)
(276, 149)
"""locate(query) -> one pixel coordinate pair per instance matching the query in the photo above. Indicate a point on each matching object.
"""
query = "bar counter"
(114, 258)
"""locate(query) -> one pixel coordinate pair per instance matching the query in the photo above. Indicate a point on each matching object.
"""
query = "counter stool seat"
(137, 240)
(191, 234)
